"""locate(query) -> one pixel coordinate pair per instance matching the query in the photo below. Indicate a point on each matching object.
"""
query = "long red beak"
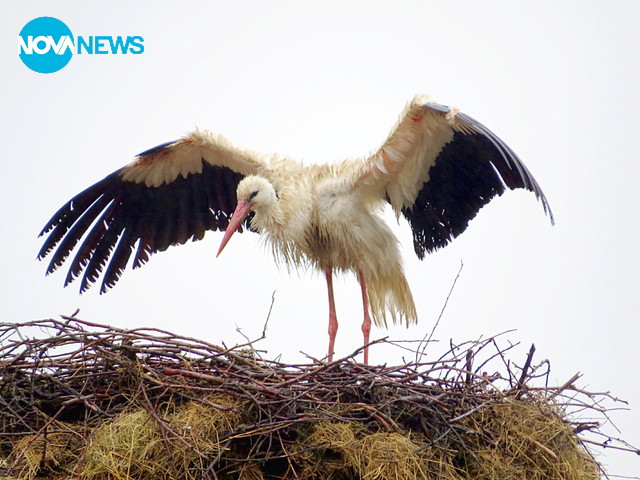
(242, 210)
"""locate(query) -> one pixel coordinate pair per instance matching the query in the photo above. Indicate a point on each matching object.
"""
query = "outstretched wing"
(166, 196)
(439, 167)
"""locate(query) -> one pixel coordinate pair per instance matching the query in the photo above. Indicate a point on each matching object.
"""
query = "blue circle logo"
(46, 45)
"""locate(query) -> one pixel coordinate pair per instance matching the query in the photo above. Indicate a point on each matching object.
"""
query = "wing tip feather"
(459, 184)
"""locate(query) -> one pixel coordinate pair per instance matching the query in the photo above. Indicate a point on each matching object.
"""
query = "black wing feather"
(83, 255)
(99, 256)
(119, 260)
(130, 213)
(74, 234)
(66, 216)
(470, 170)
(203, 217)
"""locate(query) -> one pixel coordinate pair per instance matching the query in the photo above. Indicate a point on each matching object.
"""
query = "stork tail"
(390, 297)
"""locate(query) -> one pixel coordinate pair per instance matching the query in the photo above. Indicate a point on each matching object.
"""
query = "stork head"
(254, 194)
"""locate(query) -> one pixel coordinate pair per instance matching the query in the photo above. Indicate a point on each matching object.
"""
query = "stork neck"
(270, 218)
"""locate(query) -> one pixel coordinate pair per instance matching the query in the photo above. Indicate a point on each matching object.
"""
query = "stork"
(437, 168)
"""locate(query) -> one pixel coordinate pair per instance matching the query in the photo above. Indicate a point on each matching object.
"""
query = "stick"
(446, 301)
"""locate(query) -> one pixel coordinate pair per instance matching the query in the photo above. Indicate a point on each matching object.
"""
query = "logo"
(46, 45)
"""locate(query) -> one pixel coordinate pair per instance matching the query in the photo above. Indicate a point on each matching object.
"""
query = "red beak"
(242, 210)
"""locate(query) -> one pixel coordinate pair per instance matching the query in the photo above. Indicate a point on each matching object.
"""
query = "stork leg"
(366, 324)
(333, 319)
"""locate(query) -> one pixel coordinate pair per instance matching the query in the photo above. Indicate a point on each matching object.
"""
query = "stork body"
(314, 220)
(437, 168)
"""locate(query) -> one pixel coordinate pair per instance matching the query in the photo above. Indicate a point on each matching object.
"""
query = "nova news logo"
(46, 45)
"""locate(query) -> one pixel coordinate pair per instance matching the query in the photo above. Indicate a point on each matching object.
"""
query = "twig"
(525, 371)
(420, 351)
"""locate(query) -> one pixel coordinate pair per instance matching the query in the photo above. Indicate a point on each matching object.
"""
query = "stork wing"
(167, 195)
(439, 167)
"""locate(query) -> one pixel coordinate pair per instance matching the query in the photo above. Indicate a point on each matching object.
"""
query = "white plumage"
(437, 168)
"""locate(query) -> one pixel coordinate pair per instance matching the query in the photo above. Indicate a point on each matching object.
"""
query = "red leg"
(366, 324)
(333, 320)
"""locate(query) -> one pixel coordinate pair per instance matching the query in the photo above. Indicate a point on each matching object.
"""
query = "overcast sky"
(557, 81)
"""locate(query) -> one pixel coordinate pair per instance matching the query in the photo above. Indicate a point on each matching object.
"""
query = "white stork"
(437, 168)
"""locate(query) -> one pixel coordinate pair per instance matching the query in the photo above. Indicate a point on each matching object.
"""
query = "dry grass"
(47, 454)
(524, 440)
(509, 439)
(128, 447)
(140, 444)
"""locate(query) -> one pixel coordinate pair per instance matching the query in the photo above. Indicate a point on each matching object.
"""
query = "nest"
(86, 401)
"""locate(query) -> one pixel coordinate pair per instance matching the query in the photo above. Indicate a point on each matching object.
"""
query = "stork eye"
(253, 194)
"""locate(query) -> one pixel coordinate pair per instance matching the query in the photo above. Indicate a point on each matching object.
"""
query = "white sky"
(558, 81)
